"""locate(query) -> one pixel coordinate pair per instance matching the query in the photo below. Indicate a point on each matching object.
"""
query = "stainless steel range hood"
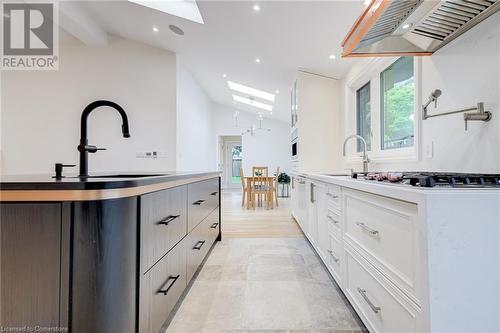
(418, 27)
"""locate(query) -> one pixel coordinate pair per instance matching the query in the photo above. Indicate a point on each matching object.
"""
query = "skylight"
(187, 9)
(251, 91)
(248, 101)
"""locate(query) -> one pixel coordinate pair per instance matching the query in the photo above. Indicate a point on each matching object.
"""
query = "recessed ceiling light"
(155, 29)
(256, 8)
(406, 25)
(224, 75)
(251, 91)
(187, 9)
(257, 60)
(234, 102)
(332, 56)
(277, 92)
(176, 30)
(251, 102)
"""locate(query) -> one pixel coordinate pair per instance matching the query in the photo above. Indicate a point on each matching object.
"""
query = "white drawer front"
(385, 230)
(333, 195)
(335, 257)
(381, 309)
(333, 222)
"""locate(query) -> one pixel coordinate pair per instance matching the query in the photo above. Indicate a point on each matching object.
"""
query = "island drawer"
(163, 223)
(160, 289)
(384, 230)
(198, 242)
(382, 308)
(213, 225)
(203, 198)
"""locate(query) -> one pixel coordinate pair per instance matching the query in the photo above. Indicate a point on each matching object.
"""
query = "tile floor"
(268, 285)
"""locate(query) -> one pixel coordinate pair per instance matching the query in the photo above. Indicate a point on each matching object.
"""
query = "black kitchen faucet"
(84, 148)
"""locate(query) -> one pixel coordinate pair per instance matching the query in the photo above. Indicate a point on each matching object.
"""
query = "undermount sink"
(127, 176)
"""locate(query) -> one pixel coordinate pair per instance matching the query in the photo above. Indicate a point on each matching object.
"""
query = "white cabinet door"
(312, 214)
(294, 200)
(321, 213)
(302, 204)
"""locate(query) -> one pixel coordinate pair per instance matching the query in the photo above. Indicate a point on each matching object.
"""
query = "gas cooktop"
(433, 179)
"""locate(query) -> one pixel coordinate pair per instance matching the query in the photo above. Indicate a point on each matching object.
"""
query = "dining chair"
(246, 190)
(260, 185)
(275, 186)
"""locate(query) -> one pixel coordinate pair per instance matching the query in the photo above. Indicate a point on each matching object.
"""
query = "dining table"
(269, 179)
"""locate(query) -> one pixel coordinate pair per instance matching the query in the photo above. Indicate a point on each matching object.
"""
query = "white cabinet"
(293, 197)
(299, 201)
(382, 307)
(385, 232)
(408, 260)
(312, 214)
(316, 216)
(316, 118)
(369, 245)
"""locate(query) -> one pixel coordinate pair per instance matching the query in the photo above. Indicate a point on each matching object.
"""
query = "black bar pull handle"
(199, 202)
(165, 291)
(214, 193)
(168, 219)
(198, 247)
(213, 226)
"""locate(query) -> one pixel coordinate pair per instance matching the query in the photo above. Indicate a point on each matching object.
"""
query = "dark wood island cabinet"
(102, 255)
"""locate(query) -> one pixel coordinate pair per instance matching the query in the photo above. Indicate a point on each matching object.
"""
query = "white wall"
(41, 109)
(195, 147)
(467, 71)
(265, 148)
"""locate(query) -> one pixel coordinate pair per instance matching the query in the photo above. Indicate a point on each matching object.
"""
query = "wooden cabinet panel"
(104, 266)
(163, 223)
(197, 246)
(161, 288)
(203, 198)
(30, 264)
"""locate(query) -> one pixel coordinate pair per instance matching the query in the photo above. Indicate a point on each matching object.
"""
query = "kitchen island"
(408, 258)
(109, 253)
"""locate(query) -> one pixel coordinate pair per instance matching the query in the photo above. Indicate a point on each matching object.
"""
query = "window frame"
(369, 71)
(358, 127)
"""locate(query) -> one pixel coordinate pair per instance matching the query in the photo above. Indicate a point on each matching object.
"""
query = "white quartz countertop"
(399, 191)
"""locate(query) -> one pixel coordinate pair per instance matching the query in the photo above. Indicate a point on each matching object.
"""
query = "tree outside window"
(397, 104)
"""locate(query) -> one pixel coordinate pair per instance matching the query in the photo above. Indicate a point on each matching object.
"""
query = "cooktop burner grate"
(432, 179)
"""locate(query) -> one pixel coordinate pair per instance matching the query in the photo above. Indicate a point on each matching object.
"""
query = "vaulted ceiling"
(286, 36)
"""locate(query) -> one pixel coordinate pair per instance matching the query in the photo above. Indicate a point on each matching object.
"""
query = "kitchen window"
(383, 97)
(397, 88)
(363, 116)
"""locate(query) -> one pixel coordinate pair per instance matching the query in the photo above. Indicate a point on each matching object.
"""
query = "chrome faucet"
(366, 160)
